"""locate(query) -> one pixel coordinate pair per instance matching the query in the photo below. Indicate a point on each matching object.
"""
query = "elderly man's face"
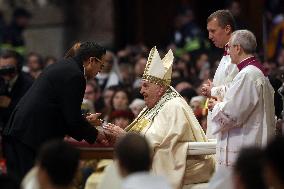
(151, 92)
(234, 52)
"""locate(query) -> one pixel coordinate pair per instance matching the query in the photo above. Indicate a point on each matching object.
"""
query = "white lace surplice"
(246, 115)
(224, 75)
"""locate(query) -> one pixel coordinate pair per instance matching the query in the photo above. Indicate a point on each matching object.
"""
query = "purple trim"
(251, 61)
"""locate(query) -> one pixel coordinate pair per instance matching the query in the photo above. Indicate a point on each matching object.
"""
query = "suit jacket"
(22, 84)
(52, 107)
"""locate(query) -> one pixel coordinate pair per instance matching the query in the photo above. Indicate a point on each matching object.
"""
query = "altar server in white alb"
(220, 26)
(245, 116)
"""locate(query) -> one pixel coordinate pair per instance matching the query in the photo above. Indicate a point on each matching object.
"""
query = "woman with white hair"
(136, 106)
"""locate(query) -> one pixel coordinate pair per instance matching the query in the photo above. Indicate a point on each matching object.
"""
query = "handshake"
(107, 133)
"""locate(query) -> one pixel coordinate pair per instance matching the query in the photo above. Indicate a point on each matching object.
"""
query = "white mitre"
(159, 71)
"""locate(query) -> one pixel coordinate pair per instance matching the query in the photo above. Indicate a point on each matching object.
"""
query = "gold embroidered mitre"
(159, 71)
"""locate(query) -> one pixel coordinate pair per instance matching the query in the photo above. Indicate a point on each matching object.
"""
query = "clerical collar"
(226, 48)
(251, 61)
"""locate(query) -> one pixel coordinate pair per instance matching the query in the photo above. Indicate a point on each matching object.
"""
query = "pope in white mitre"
(168, 123)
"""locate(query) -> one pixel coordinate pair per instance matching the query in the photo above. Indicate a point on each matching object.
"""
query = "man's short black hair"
(60, 160)
(133, 153)
(274, 155)
(249, 166)
(13, 54)
(90, 49)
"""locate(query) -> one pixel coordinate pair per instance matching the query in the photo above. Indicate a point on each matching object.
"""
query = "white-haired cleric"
(246, 115)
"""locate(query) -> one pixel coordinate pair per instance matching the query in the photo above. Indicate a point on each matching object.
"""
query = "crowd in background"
(115, 90)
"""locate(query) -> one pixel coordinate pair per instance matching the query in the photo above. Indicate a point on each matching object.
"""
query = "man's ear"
(239, 49)
(88, 61)
(228, 29)
(91, 59)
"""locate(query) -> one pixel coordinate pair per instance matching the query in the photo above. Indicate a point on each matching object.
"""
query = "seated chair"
(200, 148)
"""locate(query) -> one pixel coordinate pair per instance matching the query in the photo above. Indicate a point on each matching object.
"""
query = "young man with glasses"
(52, 108)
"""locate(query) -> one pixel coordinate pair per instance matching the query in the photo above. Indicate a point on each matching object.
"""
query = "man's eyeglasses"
(99, 60)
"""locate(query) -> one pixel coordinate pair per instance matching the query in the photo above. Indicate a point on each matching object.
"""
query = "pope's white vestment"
(168, 127)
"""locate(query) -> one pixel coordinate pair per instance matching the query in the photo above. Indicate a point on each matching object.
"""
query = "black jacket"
(22, 84)
(52, 107)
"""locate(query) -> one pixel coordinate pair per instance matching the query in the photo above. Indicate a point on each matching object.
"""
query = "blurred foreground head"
(133, 154)
(58, 163)
(274, 157)
(249, 169)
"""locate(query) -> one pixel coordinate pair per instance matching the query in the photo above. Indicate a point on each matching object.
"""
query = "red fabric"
(121, 113)
(226, 48)
(3, 167)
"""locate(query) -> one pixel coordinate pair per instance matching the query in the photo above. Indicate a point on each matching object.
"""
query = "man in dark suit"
(13, 84)
(51, 108)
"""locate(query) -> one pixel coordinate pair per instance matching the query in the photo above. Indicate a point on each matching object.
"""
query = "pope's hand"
(114, 130)
(94, 120)
(206, 89)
